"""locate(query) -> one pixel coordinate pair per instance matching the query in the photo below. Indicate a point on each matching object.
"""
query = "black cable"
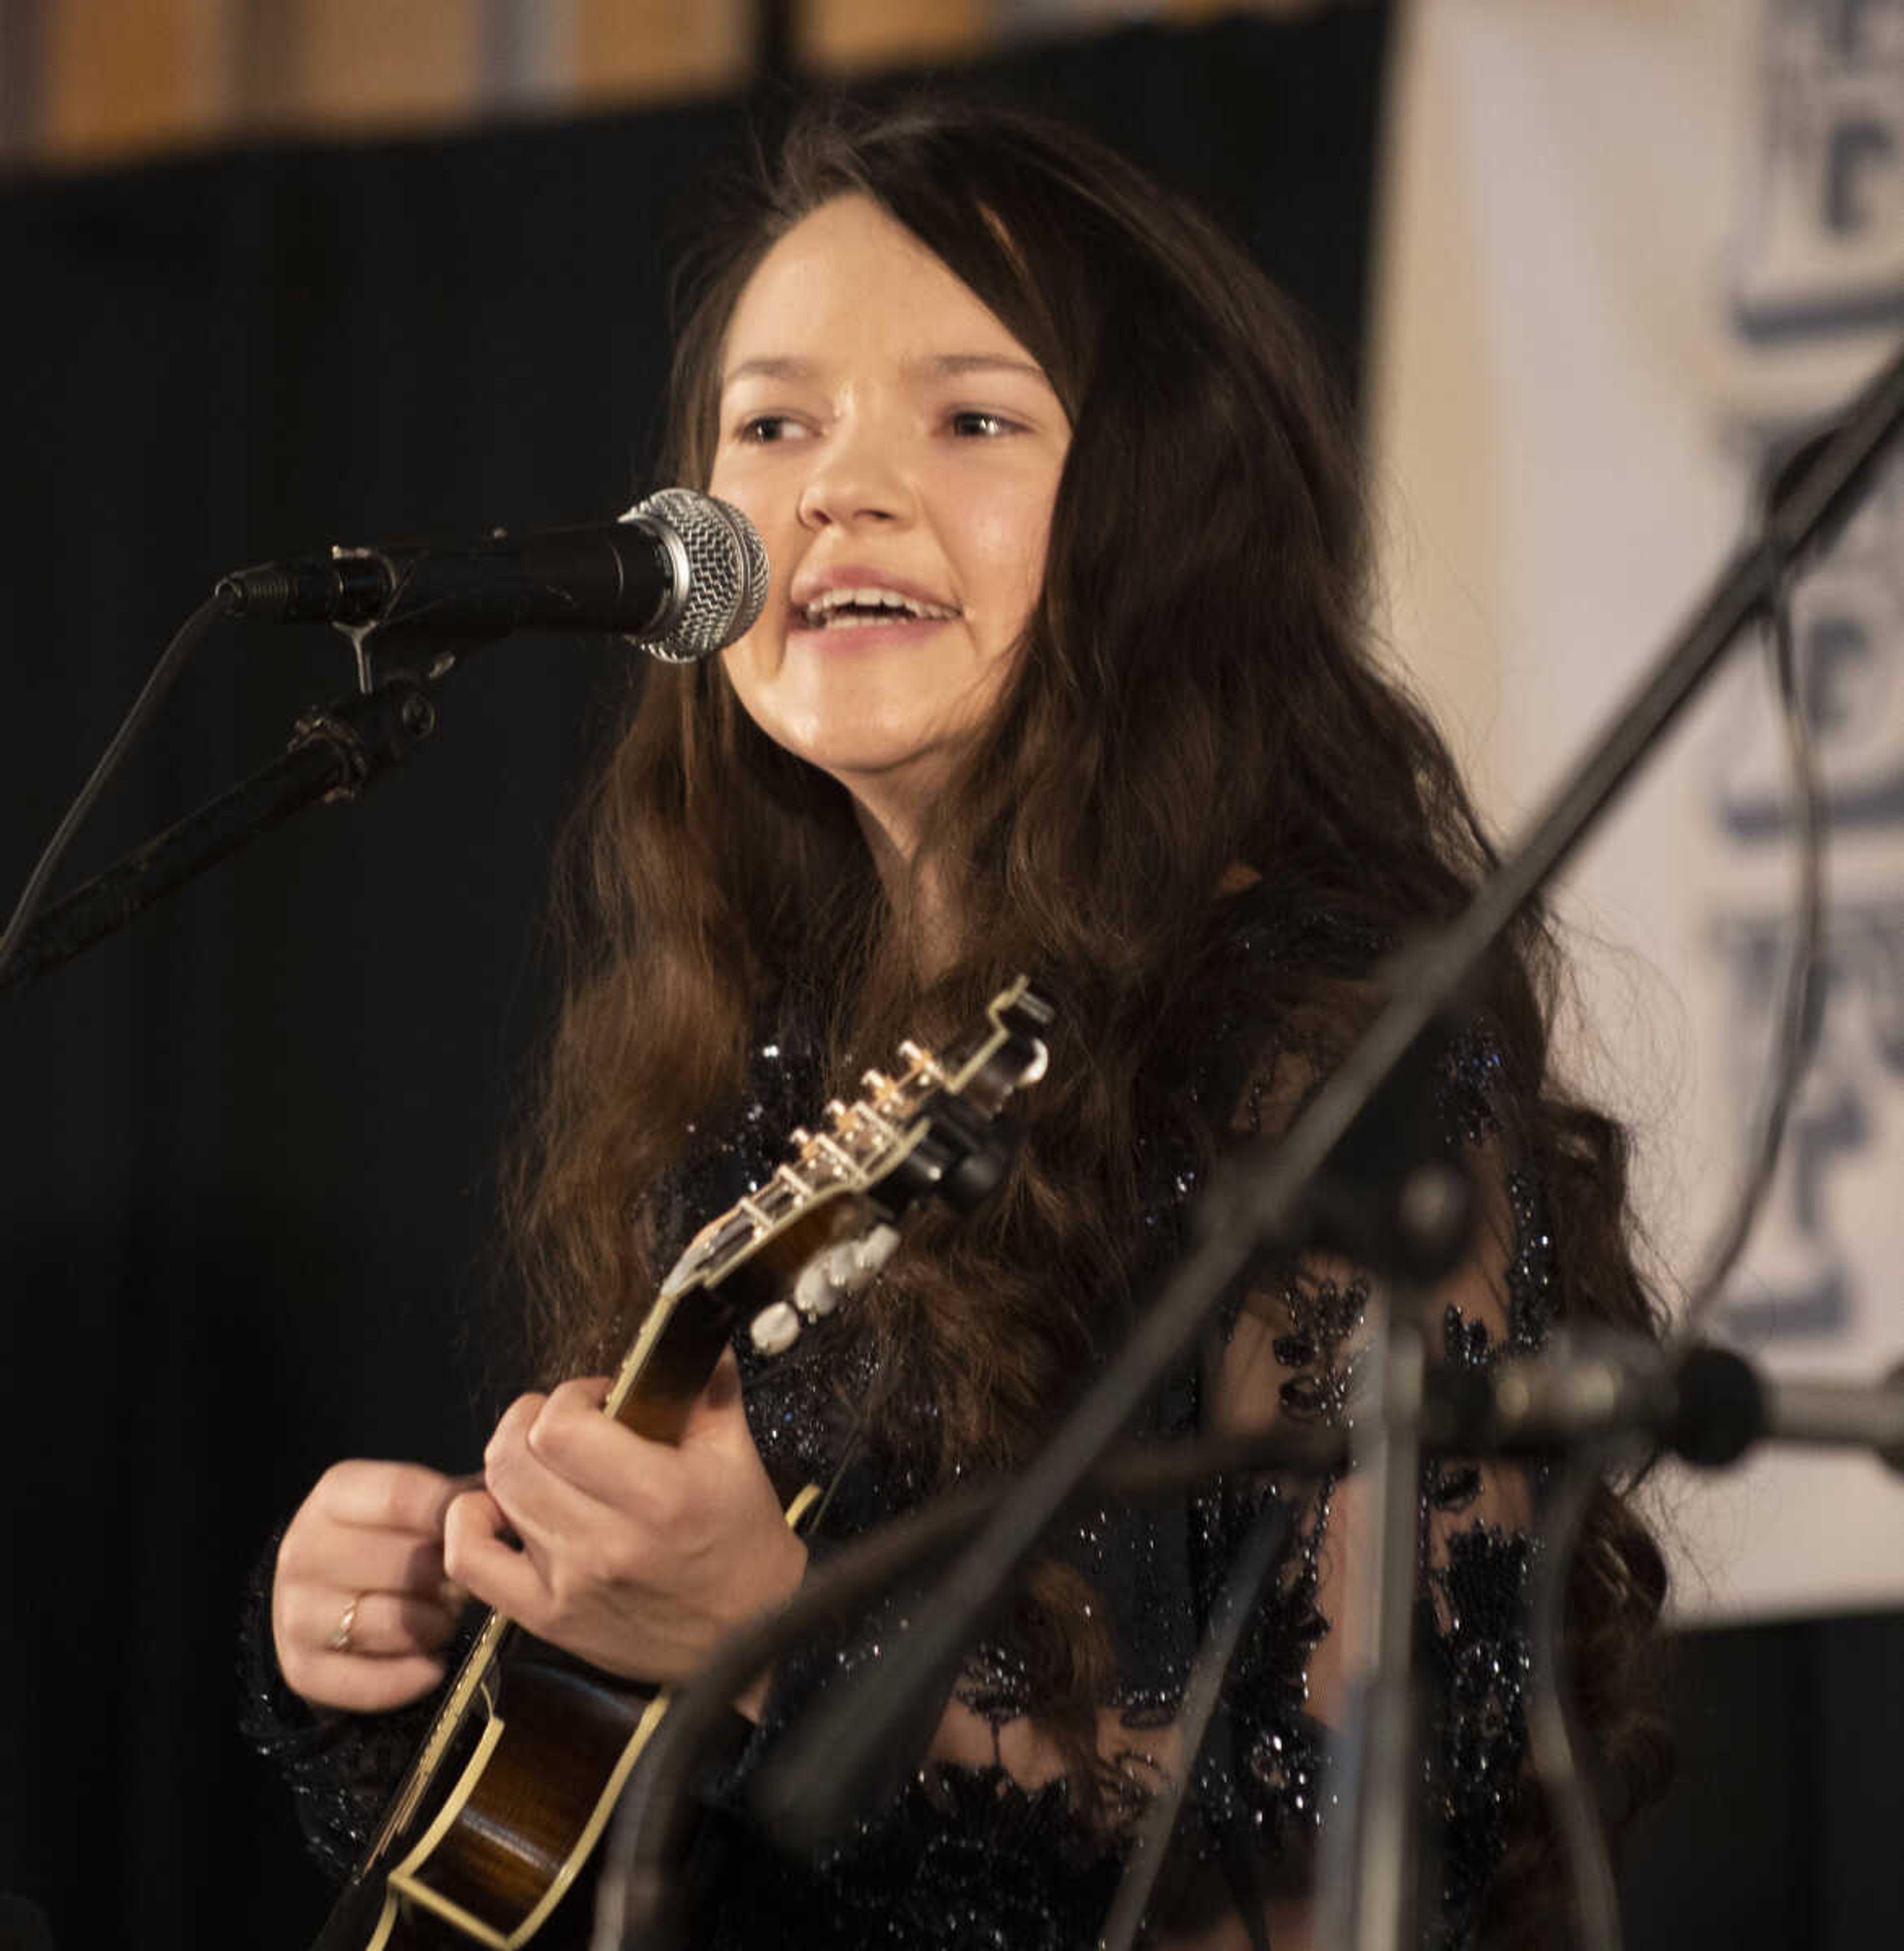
(171, 662)
(1553, 1727)
(1557, 1739)
(1796, 1002)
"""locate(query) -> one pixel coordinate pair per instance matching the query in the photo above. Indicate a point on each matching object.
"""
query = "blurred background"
(279, 272)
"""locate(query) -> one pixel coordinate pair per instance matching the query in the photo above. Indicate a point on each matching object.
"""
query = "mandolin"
(490, 1833)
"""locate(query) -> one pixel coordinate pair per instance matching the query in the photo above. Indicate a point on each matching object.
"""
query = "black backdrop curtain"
(245, 1148)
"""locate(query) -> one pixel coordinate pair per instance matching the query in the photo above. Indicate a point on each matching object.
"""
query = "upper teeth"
(822, 606)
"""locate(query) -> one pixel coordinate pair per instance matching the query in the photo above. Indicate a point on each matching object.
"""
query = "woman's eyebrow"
(954, 365)
(770, 369)
(937, 365)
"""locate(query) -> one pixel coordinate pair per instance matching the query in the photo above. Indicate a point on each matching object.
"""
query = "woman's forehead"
(849, 276)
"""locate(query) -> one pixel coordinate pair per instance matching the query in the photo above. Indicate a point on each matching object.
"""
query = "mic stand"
(844, 1743)
(1393, 1198)
(1705, 1405)
(1370, 1885)
(640, 1901)
(338, 751)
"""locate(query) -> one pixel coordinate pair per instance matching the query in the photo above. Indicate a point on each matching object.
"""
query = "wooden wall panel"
(120, 75)
(624, 50)
(116, 76)
(843, 34)
(384, 60)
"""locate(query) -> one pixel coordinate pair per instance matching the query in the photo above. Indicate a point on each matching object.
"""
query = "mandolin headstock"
(828, 1219)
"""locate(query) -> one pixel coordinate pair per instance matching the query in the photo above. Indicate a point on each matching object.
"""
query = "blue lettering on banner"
(1820, 257)
(1804, 1280)
(1822, 249)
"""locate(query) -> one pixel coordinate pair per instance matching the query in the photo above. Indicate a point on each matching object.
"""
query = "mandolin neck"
(673, 1359)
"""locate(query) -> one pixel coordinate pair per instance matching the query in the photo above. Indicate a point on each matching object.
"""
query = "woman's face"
(899, 451)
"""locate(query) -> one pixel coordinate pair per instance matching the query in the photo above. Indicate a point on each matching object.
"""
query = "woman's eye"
(976, 424)
(763, 429)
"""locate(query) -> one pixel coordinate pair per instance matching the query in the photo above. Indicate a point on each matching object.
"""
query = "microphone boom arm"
(337, 751)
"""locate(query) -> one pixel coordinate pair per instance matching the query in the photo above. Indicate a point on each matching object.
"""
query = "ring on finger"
(340, 1638)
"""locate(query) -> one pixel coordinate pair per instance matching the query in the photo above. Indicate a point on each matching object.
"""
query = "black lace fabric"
(1007, 1848)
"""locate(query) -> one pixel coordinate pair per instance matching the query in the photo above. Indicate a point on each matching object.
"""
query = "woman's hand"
(636, 1556)
(360, 1605)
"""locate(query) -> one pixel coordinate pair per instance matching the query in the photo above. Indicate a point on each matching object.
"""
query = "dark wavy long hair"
(1198, 690)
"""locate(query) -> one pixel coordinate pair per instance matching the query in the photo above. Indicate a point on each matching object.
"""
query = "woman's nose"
(857, 479)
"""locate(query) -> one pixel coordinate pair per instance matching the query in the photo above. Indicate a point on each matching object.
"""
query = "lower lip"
(850, 637)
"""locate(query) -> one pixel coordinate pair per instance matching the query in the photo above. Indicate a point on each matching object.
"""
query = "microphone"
(681, 574)
(1705, 1404)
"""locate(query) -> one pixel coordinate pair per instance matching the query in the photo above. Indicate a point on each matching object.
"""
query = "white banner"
(1632, 246)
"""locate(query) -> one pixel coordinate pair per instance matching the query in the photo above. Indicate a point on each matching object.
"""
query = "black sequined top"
(1013, 1853)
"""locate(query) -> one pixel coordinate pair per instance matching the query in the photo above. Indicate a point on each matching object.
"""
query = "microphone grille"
(726, 578)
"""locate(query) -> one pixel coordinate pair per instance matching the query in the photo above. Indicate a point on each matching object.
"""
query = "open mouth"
(857, 608)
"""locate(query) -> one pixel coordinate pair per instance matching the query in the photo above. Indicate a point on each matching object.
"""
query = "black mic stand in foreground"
(1705, 1405)
(811, 1792)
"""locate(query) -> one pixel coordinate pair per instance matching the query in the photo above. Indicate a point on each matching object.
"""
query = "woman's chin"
(891, 784)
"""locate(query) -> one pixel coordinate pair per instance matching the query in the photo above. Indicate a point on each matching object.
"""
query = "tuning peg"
(876, 1081)
(776, 1329)
(876, 1248)
(842, 1269)
(815, 1293)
